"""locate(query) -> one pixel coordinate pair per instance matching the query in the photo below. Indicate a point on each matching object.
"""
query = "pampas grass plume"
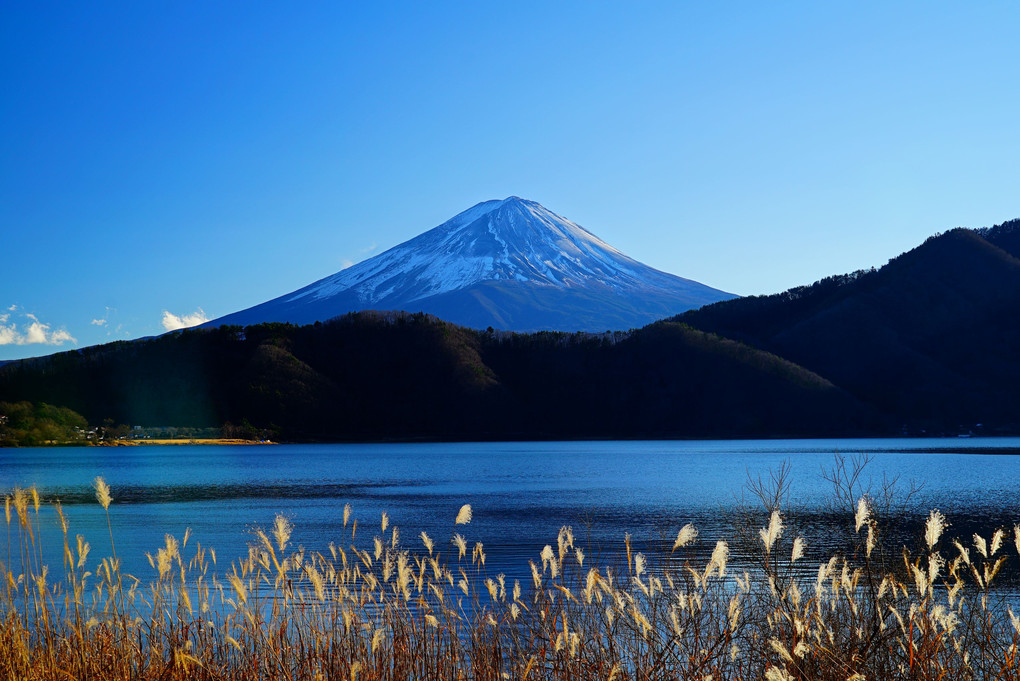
(688, 534)
(461, 545)
(980, 545)
(102, 493)
(934, 527)
(798, 549)
(770, 534)
(862, 515)
(281, 531)
(717, 562)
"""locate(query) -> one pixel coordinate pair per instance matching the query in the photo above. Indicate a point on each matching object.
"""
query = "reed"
(366, 608)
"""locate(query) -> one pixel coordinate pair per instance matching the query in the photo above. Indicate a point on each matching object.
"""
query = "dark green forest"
(369, 376)
(932, 339)
(928, 344)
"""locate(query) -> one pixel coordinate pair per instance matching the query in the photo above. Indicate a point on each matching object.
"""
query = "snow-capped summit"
(511, 264)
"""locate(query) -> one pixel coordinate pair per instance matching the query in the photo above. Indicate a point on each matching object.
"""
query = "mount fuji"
(510, 264)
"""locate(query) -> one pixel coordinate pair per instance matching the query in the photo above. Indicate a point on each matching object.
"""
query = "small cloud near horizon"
(34, 333)
(347, 262)
(172, 322)
(104, 320)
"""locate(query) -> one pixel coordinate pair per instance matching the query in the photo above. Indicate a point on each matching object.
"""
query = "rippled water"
(521, 492)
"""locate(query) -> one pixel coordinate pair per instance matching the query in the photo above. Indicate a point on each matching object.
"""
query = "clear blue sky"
(170, 157)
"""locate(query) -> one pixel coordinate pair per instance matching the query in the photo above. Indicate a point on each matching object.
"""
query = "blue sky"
(167, 160)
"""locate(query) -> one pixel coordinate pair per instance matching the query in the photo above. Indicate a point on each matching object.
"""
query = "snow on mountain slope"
(511, 245)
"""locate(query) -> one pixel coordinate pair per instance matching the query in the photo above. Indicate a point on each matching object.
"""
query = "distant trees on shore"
(24, 424)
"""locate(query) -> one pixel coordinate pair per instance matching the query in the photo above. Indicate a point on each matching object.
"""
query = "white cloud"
(104, 320)
(172, 322)
(347, 262)
(61, 336)
(36, 333)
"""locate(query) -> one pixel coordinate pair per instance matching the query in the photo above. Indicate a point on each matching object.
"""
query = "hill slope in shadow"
(371, 376)
(932, 338)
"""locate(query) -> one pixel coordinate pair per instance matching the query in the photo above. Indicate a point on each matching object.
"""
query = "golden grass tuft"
(386, 612)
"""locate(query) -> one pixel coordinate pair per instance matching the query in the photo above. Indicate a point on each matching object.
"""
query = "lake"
(521, 492)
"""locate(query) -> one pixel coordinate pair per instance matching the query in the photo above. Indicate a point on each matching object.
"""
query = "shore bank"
(185, 441)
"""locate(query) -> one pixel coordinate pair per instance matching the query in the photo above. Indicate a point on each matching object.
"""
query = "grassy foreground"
(429, 610)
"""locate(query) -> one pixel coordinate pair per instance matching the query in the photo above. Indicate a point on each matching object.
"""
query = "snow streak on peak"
(509, 240)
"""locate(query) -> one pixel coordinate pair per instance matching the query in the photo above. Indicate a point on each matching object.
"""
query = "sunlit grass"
(369, 606)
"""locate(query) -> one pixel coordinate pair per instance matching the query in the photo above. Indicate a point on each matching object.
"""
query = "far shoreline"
(185, 441)
(964, 441)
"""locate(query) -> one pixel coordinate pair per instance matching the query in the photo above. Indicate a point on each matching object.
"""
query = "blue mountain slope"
(510, 264)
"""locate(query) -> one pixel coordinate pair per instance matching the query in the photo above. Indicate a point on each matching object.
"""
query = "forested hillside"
(932, 338)
(383, 376)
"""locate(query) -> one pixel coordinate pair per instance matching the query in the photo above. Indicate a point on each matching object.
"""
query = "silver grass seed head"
(282, 529)
(798, 549)
(689, 534)
(934, 527)
(981, 545)
(461, 545)
(863, 514)
(996, 541)
(20, 502)
(717, 563)
(102, 493)
(772, 532)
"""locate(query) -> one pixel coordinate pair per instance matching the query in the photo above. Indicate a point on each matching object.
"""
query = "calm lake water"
(521, 492)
